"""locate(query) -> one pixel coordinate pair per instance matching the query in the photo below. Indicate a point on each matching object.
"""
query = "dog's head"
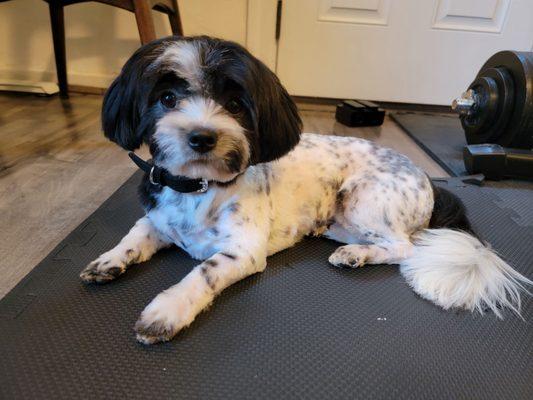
(206, 107)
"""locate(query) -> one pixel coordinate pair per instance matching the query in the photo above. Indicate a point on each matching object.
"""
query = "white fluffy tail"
(454, 269)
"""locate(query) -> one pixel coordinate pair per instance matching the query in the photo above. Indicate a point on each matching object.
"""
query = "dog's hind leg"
(376, 217)
(139, 245)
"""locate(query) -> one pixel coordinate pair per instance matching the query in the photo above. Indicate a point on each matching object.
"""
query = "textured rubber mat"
(301, 329)
(441, 136)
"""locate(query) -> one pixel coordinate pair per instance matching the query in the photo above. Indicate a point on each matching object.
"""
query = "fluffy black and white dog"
(212, 113)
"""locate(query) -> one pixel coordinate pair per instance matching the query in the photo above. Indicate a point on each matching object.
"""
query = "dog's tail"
(452, 267)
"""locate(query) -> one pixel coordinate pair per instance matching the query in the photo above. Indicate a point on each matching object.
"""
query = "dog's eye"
(168, 99)
(234, 106)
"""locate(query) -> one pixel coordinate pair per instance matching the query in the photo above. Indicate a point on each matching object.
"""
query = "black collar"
(160, 176)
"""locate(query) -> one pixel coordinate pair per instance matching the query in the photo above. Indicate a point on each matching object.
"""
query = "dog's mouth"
(210, 166)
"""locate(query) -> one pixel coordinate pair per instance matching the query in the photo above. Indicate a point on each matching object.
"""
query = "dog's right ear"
(126, 100)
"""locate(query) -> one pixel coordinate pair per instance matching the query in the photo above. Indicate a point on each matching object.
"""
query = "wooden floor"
(56, 168)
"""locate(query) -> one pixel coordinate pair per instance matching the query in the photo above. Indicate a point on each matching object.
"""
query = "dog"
(233, 181)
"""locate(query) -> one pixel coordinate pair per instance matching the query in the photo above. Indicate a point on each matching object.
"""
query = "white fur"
(455, 270)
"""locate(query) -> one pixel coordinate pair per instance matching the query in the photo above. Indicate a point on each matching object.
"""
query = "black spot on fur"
(228, 255)
(197, 204)
(234, 161)
(185, 226)
(208, 278)
(147, 193)
(211, 213)
(267, 187)
(386, 219)
(341, 197)
(114, 271)
(211, 263)
(233, 207)
(449, 212)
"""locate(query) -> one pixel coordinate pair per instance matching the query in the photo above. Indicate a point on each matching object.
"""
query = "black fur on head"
(126, 100)
(131, 109)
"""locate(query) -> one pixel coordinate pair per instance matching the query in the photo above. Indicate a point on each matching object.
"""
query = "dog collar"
(160, 176)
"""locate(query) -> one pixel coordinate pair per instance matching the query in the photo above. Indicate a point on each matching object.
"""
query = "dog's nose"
(202, 140)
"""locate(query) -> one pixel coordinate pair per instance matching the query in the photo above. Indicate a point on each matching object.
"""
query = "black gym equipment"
(497, 162)
(498, 105)
(497, 109)
(359, 113)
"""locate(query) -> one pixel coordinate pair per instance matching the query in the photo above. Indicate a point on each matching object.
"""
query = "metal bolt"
(465, 104)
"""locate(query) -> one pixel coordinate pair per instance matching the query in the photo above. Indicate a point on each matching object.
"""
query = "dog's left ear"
(278, 124)
(126, 100)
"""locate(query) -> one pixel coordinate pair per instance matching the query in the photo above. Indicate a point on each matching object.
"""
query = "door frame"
(261, 31)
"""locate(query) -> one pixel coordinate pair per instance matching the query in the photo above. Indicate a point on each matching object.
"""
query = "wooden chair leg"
(175, 20)
(58, 34)
(145, 23)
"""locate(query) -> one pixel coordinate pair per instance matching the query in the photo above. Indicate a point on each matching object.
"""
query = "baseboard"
(79, 82)
(305, 100)
(26, 86)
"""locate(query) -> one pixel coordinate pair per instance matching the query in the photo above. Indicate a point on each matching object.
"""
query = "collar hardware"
(204, 183)
(161, 177)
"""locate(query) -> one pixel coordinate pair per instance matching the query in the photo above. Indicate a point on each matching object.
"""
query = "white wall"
(100, 38)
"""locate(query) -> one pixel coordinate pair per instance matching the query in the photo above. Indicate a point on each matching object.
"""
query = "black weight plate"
(477, 125)
(519, 132)
(496, 91)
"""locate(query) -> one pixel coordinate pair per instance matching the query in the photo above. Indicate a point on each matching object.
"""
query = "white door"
(416, 51)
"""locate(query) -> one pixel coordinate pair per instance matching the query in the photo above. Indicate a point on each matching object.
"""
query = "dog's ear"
(126, 100)
(278, 124)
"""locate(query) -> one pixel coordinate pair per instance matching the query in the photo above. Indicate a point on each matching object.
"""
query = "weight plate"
(495, 102)
(477, 124)
(519, 130)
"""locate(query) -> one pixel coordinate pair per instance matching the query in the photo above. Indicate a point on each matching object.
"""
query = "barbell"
(497, 107)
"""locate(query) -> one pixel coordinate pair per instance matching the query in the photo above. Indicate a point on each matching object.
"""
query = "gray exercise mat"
(439, 135)
(301, 329)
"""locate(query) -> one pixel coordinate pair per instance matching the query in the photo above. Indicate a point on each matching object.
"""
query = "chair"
(145, 24)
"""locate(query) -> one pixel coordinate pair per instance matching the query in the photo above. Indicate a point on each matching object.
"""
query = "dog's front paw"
(104, 269)
(165, 316)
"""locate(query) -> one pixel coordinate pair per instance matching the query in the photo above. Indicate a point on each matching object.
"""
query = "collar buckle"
(204, 185)
(151, 177)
